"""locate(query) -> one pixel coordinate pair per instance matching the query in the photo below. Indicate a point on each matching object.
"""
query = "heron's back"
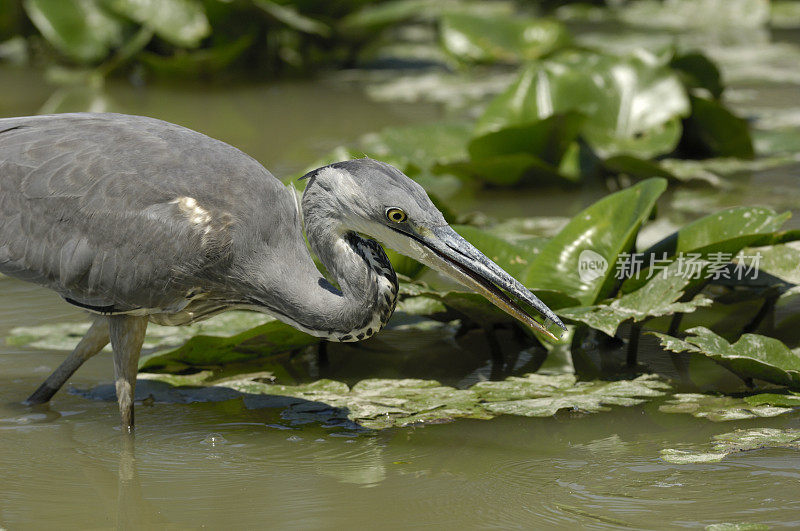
(131, 212)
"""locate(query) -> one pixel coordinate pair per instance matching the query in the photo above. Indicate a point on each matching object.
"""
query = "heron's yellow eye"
(396, 215)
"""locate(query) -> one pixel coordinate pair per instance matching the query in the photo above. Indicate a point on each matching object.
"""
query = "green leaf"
(658, 297)
(486, 39)
(180, 22)
(753, 355)
(714, 131)
(735, 442)
(292, 18)
(724, 408)
(780, 261)
(598, 234)
(633, 105)
(204, 351)
(79, 29)
(727, 231)
(717, 236)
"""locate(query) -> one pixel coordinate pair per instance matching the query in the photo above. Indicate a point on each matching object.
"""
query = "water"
(219, 465)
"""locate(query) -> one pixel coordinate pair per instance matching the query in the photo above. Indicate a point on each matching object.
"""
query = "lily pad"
(594, 237)
(482, 39)
(753, 355)
(659, 296)
(724, 408)
(735, 442)
(633, 105)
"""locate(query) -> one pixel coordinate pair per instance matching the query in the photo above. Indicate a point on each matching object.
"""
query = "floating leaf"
(723, 408)
(483, 39)
(735, 442)
(79, 28)
(658, 297)
(632, 105)
(180, 22)
(753, 355)
(383, 403)
(542, 396)
(598, 235)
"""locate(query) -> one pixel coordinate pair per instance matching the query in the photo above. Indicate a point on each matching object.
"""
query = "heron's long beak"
(454, 256)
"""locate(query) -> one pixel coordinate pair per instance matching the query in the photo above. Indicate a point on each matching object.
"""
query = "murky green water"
(220, 465)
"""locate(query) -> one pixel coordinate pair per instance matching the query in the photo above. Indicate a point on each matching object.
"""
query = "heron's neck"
(367, 282)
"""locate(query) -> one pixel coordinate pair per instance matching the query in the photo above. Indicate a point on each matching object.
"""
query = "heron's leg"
(127, 335)
(92, 343)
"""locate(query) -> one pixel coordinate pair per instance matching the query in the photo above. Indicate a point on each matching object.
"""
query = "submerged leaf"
(753, 355)
(735, 442)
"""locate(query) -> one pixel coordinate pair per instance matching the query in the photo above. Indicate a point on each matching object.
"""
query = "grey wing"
(120, 213)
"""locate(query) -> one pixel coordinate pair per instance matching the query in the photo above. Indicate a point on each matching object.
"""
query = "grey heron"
(136, 220)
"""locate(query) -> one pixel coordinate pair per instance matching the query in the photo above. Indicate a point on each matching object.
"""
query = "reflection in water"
(363, 465)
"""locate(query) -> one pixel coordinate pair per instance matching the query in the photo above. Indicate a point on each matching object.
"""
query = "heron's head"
(376, 199)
